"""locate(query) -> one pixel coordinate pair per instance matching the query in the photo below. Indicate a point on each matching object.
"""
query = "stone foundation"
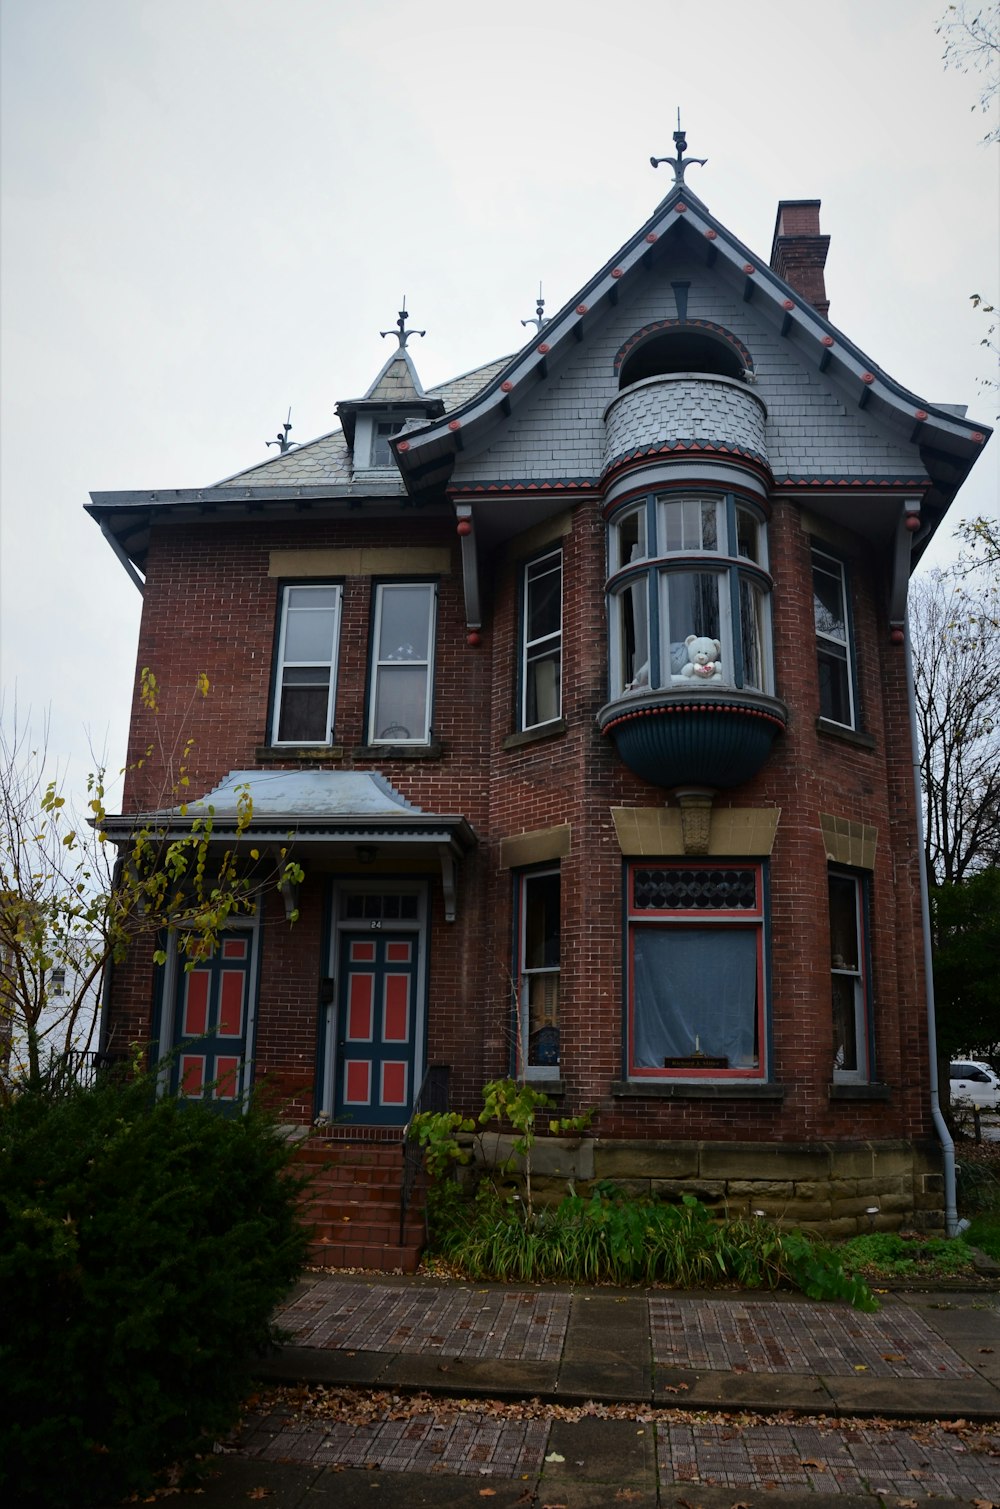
(826, 1189)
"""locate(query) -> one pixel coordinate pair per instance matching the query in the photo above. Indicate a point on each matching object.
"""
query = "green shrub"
(608, 1238)
(984, 1233)
(893, 1256)
(143, 1247)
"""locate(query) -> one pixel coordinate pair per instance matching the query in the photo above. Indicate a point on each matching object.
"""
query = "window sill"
(848, 735)
(397, 752)
(533, 735)
(546, 1086)
(860, 1092)
(631, 1089)
(301, 753)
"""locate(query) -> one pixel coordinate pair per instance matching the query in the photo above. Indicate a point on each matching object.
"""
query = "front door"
(211, 1013)
(376, 1028)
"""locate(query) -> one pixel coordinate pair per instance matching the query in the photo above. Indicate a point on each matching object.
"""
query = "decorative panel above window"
(402, 663)
(696, 972)
(541, 641)
(305, 679)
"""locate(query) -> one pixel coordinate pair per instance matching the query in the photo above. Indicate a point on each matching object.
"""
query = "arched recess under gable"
(667, 346)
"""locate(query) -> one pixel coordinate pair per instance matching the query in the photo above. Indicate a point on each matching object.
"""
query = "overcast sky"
(212, 207)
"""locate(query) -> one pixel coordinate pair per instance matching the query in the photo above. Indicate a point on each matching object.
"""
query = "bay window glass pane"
(633, 637)
(401, 702)
(630, 534)
(404, 626)
(695, 993)
(693, 607)
(752, 634)
(690, 524)
(747, 536)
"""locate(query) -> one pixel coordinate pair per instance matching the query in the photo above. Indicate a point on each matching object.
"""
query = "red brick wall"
(211, 606)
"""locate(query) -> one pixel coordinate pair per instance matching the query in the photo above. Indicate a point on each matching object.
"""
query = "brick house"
(581, 684)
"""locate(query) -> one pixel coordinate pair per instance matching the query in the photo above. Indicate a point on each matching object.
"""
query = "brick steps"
(352, 1206)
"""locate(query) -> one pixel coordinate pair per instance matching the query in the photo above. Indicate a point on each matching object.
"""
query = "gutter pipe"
(940, 1125)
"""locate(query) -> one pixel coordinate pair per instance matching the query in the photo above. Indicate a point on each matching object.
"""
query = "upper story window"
(696, 975)
(305, 679)
(402, 663)
(689, 595)
(382, 432)
(541, 641)
(834, 648)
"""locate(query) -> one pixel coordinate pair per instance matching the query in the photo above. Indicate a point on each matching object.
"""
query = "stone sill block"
(860, 1092)
(631, 1090)
(848, 735)
(534, 735)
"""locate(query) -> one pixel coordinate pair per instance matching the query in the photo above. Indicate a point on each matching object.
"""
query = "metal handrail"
(432, 1096)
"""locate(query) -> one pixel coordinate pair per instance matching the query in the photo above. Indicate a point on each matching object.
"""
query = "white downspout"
(941, 1126)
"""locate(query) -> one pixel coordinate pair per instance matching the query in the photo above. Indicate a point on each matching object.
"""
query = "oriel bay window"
(684, 569)
(305, 680)
(696, 972)
(402, 663)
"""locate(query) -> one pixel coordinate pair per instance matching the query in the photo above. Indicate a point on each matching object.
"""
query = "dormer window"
(382, 432)
(689, 595)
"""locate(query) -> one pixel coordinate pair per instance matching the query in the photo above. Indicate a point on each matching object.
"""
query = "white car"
(976, 1084)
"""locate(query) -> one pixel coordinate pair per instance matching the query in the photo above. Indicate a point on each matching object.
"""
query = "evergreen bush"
(144, 1244)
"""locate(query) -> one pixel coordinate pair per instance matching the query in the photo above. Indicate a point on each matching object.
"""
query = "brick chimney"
(798, 251)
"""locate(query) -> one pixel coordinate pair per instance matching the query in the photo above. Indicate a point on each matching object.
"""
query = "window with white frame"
(849, 978)
(402, 663)
(305, 679)
(834, 650)
(541, 641)
(696, 971)
(538, 928)
(686, 568)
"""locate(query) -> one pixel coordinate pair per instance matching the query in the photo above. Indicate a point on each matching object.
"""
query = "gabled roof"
(948, 443)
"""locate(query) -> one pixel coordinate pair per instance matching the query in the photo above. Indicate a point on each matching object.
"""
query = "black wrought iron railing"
(432, 1096)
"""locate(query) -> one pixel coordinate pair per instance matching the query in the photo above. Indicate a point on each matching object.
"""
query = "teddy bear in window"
(703, 659)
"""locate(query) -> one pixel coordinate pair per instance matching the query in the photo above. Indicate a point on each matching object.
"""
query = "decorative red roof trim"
(868, 377)
(617, 272)
(680, 208)
(581, 309)
(828, 340)
(454, 424)
(404, 445)
(711, 235)
(544, 348)
(920, 414)
(748, 267)
(978, 437)
(788, 303)
(651, 237)
(506, 387)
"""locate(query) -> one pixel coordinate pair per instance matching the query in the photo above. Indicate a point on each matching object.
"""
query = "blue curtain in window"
(694, 989)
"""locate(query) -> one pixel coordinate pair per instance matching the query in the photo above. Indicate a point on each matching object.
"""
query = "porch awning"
(309, 809)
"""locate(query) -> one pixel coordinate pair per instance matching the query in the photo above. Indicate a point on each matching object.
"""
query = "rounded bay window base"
(710, 738)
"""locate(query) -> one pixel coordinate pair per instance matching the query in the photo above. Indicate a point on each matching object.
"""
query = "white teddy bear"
(703, 659)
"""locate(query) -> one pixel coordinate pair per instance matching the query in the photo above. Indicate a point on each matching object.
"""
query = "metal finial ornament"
(679, 163)
(539, 316)
(282, 442)
(401, 333)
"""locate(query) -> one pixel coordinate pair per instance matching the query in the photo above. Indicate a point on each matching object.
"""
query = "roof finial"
(680, 162)
(401, 333)
(282, 442)
(539, 317)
